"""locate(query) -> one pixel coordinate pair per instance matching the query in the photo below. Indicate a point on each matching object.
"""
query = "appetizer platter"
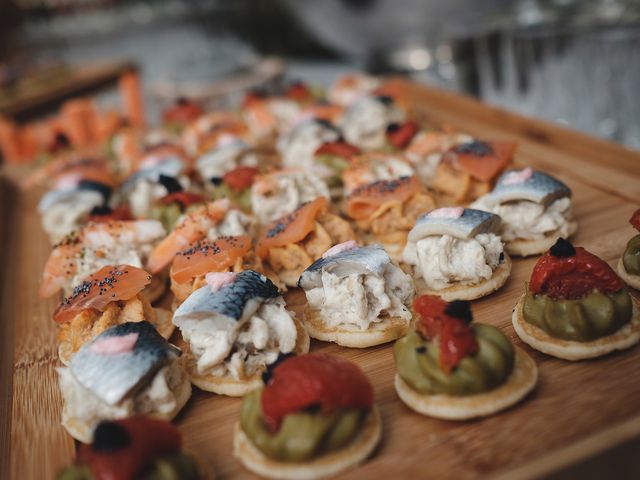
(394, 282)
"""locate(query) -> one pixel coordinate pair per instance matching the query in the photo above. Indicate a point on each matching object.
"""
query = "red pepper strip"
(240, 178)
(402, 135)
(573, 277)
(635, 220)
(314, 380)
(340, 149)
(456, 339)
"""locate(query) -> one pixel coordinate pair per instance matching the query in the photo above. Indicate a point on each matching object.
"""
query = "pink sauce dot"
(341, 247)
(115, 345)
(447, 212)
(516, 177)
(217, 280)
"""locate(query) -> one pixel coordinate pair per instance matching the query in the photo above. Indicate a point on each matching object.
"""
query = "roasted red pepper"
(446, 323)
(122, 449)
(182, 112)
(572, 275)
(299, 92)
(400, 135)
(314, 380)
(340, 149)
(240, 178)
(186, 199)
(635, 220)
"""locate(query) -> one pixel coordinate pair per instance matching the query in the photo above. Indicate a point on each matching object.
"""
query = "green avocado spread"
(242, 199)
(302, 435)
(585, 319)
(631, 257)
(168, 215)
(417, 361)
(179, 466)
(336, 164)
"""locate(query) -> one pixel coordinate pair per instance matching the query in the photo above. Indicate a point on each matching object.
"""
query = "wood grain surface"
(577, 410)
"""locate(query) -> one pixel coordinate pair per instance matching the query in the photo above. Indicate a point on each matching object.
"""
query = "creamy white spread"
(62, 218)
(362, 299)
(528, 220)
(350, 88)
(299, 145)
(224, 346)
(234, 223)
(443, 260)
(157, 397)
(365, 123)
(289, 190)
(223, 159)
(285, 111)
(146, 192)
(427, 165)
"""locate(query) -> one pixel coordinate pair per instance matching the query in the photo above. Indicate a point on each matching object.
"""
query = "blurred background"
(570, 61)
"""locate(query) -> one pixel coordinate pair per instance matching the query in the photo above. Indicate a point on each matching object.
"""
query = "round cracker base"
(540, 340)
(522, 380)
(83, 432)
(526, 248)
(325, 466)
(470, 292)
(227, 385)
(163, 324)
(632, 280)
(388, 330)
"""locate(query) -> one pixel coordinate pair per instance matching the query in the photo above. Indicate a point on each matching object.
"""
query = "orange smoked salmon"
(109, 284)
(208, 256)
(291, 228)
(365, 200)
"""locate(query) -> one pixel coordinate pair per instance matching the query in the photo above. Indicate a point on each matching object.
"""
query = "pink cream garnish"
(115, 345)
(217, 280)
(447, 212)
(518, 176)
(226, 139)
(341, 247)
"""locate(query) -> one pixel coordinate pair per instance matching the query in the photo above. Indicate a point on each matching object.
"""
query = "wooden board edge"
(577, 452)
(8, 198)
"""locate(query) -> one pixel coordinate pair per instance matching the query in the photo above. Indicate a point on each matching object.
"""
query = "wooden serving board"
(577, 410)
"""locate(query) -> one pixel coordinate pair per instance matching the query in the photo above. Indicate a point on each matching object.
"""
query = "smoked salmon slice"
(365, 200)
(109, 284)
(482, 160)
(208, 256)
(291, 228)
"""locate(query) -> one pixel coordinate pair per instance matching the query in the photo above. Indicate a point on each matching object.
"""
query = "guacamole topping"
(417, 361)
(631, 257)
(172, 467)
(336, 164)
(242, 199)
(303, 435)
(311, 405)
(585, 319)
(133, 448)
